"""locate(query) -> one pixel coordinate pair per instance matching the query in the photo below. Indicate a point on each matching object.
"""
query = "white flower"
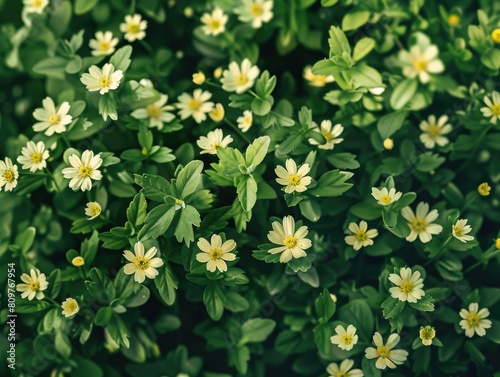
(345, 338)
(331, 135)
(421, 61)
(35, 283)
(292, 243)
(387, 356)
(83, 170)
(421, 224)
(34, 156)
(52, 119)
(432, 132)
(35, 6)
(93, 210)
(492, 108)
(147, 83)
(291, 178)
(142, 266)
(195, 106)
(214, 139)
(239, 79)
(214, 23)
(8, 175)
(344, 370)
(245, 121)
(460, 231)
(199, 78)
(384, 196)
(134, 27)
(103, 44)
(70, 307)
(361, 236)
(316, 80)
(102, 80)
(255, 11)
(215, 253)
(427, 333)
(408, 285)
(157, 113)
(217, 114)
(474, 320)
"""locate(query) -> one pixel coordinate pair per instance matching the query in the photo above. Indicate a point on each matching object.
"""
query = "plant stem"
(242, 135)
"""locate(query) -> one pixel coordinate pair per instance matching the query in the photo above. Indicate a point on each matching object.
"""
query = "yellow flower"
(215, 253)
(316, 80)
(427, 333)
(484, 189)
(388, 144)
(218, 72)
(70, 307)
(346, 338)
(495, 35)
(93, 210)
(199, 78)
(497, 243)
(453, 19)
(217, 114)
(78, 261)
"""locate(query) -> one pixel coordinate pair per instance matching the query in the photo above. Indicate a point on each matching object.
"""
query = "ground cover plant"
(249, 188)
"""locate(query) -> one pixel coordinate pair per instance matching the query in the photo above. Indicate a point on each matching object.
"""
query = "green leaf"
(338, 42)
(289, 144)
(247, 192)
(184, 230)
(261, 107)
(154, 187)
(404, 201)
(390, 123)
(62, 344)
(322, 334)
(425, 304)
(189, 178)
(256, 330)
(363, 48)
(429, 161)
(355, 18)
(310, 209)
(100, 287)
(358, 313)
(115, 239)
(236, 302)
(25, 239)
(119, 331)
(84, 6)
(325, 306)
(137, 211)
(257, 151)
(166, 282)
(329, 3)
(239, 358)
(214, 299)
(157, 221)
(343, 160)
(332, 183)
(392, 307)
(121, 58)
(89, 248)
(403, 93)
(51, 67)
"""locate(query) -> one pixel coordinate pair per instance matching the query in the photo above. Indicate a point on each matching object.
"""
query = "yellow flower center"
(242, 79)
(37, 3)
(153, 111)
(36, 157)
(347, 339)
(294, 180)
(341, 374)
(327, 135)
(495, 35)
(453, 19)
(85, 171)
(53, 119)
(418, 224)
(473, 319)
(94, 210)
(144, 151)
(383, 351)
(217, 114)
(434, 131)
(318, 80)
(459, 231)
(290, 242)
(495, 109)
(420, 65)
(35, 285)
(8, 175)
(497, 243)
(406, 287)
(484, 189)
(214, 24)
(104, 45)
(427, 333)
(215, 254)
(141, 263)
(104, 81)
(133, 28)
(385, 199)
(361, 236)
(194, 104)
(71, 306)
(256, 10)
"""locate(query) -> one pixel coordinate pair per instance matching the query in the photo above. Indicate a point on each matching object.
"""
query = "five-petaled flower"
(432, 131)
(344, 370)
(214, 23)
(291, 178)
(51, 119)
(93, 210)
(215, 253)
(142, 265)
(103, 44)
(196, 105)
(134, 27)
(345, 339)
(420, 224)
(70, 307)
(360, 235)
(385, 197)
(387, 356)
(239, 78)
(474, 320)
(33, 285)
(292, 243)
(255, 12)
